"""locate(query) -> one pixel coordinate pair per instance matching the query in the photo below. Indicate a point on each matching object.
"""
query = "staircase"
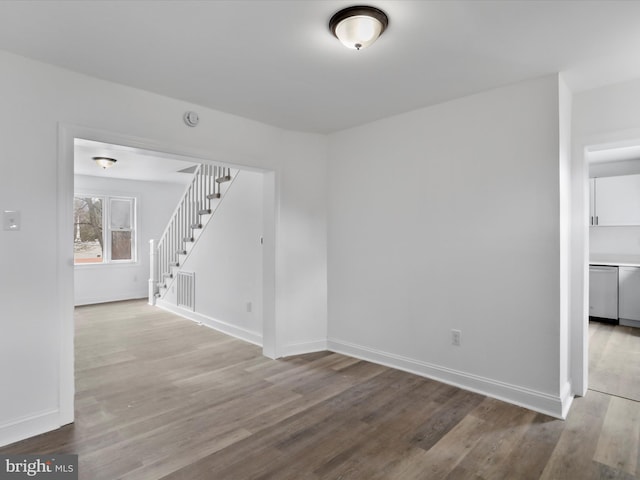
(194, 211)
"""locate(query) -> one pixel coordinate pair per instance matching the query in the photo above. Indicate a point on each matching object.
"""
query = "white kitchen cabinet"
(615, 201)
(603, 292)
(629, 293)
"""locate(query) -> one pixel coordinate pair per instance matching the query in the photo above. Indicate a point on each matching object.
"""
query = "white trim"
(538, 401)
(219, 325)
(107, 230)
(579, 310)
(566, 398)
(305, 347)
(30, 426)
(272, 270)
(272, 330)
(142, 295)
(65, 277)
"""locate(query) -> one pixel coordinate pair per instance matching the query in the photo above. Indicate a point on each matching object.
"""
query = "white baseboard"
(110, 298)
(552, 405)
(304, 347)
(29, 426)
(227, 328)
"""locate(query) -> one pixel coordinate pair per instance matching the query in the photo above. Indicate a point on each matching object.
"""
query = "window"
(104, 229)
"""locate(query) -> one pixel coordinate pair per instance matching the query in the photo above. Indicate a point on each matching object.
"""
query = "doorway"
(65, 241)
(613, 241)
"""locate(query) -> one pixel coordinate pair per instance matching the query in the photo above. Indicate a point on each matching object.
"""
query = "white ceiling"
(132, 163)
(276, 61)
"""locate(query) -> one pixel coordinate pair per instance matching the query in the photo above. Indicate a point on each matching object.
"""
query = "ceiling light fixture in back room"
(105, 162)
(359, 26)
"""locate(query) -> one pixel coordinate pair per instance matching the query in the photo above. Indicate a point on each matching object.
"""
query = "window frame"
(107, 229)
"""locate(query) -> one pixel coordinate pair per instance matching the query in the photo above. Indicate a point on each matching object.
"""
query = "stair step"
(226, 178)
(175, 264)
(161, 285)
(211, 196)
(196, 226)
(170, 275)
(189, 239)
(181, 252)
(204, 211)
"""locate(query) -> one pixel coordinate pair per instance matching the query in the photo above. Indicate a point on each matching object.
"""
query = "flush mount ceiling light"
(358, 27)
(105, 162)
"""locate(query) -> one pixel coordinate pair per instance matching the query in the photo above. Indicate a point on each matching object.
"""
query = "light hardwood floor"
(159, 397)
(614, 360)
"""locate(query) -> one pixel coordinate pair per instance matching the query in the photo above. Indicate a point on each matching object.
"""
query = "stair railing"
(195, 202)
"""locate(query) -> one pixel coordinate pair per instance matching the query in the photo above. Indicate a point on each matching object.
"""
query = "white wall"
(614, 240)
(227, 262)
(608, 114)
(449, 218)
(39, 104)
(155, 203)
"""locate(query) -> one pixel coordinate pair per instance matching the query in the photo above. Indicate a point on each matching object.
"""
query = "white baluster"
(152, 272)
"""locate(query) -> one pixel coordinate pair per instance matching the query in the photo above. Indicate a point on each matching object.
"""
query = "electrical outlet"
(456, 337)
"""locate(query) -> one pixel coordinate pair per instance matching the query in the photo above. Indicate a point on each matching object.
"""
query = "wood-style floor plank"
(614, 360)
(161, 398)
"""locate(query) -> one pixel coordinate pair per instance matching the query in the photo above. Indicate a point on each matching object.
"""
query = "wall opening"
(65, 222)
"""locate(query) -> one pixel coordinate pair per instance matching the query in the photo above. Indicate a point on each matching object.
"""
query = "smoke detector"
(191, 118)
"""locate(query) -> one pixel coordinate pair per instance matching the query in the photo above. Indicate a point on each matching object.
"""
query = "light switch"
(11, 220)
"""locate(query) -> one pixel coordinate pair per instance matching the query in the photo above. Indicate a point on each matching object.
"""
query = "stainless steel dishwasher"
(603, 292)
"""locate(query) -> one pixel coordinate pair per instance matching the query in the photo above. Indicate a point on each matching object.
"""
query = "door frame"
(579, 320)
(272, 336)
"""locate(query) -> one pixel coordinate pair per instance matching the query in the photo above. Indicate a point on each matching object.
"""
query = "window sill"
(90, 266)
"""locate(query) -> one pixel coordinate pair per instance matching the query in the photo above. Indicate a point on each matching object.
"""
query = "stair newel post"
(159, 263)
(152, 272)
(165, 257)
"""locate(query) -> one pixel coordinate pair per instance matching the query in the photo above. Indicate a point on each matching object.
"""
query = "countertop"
(614, 260)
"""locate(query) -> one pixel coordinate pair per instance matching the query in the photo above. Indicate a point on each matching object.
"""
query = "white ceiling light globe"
(358, 32)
